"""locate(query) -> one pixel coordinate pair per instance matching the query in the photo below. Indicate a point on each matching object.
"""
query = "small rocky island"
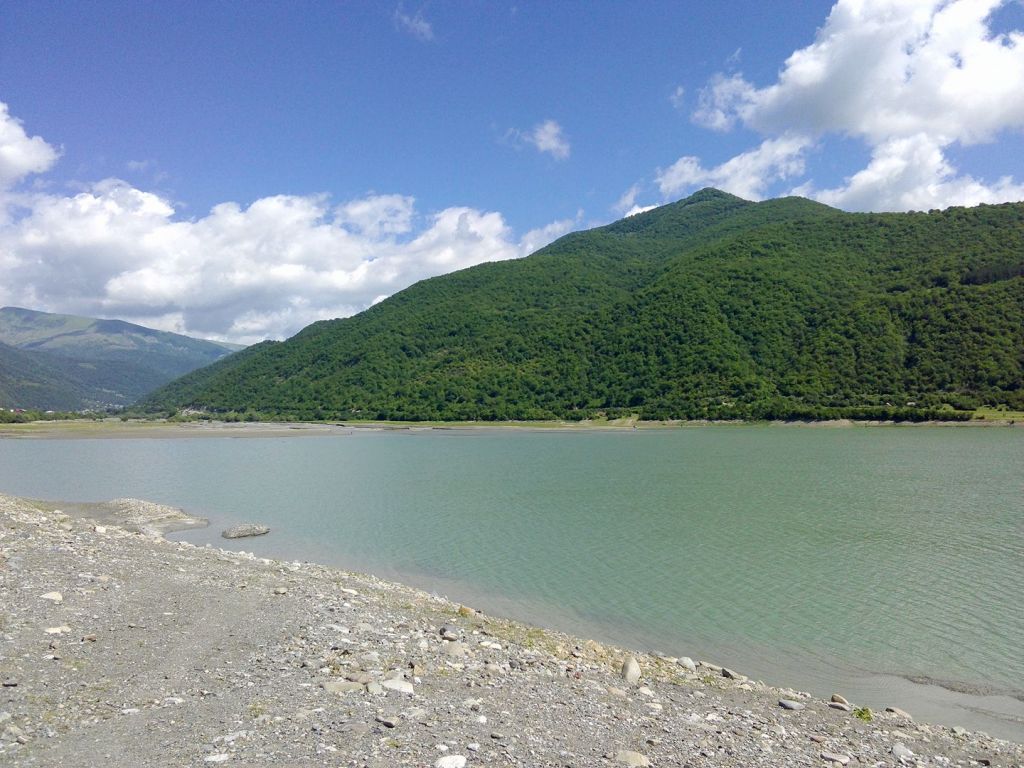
(121, 648)
(245, 531)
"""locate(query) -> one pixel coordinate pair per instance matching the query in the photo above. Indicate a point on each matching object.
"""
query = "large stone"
(795, 706)
(630, 670)
(451, 761)
(397, 684)
(53, 597)
(838, 699)
(244, 530)
(687, 663)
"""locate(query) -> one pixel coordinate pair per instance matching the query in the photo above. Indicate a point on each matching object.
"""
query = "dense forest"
(711, 307)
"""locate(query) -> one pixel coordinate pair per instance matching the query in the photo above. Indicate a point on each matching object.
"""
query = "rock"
(835, 757)
(898, 712)
(795, 706)
(280, 590)
(449, 633)
(630, 670)
(726, 672)
(342, 686)
(451, 761)
(958, 731)
(247, 529)
(840, 706)
(217, 758)
(629, 757)
(54, 597)
(375, 689)
(388, 721)
(58, 630)
(455, 649)
(397, 684)
(901, 751)
(687, 663)
(838, 699)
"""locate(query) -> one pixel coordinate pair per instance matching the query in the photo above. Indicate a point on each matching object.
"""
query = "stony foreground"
(120, 648)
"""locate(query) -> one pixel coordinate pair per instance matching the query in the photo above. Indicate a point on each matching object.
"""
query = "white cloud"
(548, 137)
(719, 103)
(21, 155)
(239, 273)
(913, 174)
(638, 209)
(912, 76)
(746, 175)
(626, 205)
(415, 25)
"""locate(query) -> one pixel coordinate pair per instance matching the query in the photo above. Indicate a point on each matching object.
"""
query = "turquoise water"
(858, 559)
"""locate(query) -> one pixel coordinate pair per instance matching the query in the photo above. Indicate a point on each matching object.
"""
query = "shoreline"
(142, 429)
(160, 652)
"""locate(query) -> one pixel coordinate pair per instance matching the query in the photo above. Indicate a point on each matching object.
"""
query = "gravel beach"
(121, 648)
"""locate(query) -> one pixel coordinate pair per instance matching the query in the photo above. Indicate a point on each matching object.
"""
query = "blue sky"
(239, 170)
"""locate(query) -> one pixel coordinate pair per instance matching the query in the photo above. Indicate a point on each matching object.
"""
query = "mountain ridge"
(709, 307)
(69, 362)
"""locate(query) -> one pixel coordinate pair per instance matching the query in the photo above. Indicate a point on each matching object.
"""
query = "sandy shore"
(124, 649)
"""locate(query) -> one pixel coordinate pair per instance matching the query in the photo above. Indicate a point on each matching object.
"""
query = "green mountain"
(65, 362)
(709, 307)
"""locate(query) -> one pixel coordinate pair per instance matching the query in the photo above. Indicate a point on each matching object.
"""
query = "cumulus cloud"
(627, 206)
(415, 24)
(913, 76)
(746, 175)
(240, 273)
(20, 154)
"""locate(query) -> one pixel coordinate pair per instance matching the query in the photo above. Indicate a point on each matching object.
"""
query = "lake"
(885, 563)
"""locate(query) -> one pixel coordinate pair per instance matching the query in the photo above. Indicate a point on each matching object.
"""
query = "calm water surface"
(885, 562)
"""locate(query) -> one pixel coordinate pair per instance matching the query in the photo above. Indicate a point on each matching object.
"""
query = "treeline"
(710, 308)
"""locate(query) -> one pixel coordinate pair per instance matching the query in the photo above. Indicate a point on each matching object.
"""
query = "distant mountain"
(66, 362)
(711, 307)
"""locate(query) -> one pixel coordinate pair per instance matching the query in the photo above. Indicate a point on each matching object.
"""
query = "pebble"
(54, 597)
(451, 761)
(455, 649)
(388, 721)
(217, 758)
(629, 757)
(901, 751)
(631, 670)
(835, 757)
(795, 706)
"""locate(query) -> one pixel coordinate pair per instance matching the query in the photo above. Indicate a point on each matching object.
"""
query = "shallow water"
(862, 560)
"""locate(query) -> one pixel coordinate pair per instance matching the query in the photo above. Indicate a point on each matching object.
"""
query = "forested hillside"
(68, 362)
(709, 307)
